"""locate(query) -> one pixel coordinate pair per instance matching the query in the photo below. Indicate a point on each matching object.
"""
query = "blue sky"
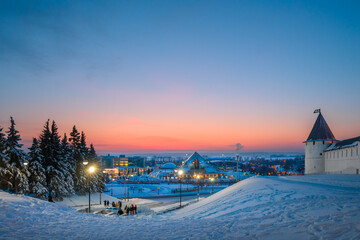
(181, 75)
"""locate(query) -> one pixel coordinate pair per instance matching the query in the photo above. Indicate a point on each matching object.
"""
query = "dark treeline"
(53, 165)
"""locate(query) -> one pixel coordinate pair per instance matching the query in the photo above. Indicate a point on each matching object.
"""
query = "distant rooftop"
(344, 144)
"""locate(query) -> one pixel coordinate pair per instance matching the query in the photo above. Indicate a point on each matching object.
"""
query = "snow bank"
(299, 207)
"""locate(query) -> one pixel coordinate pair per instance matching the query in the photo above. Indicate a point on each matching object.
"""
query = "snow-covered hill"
(299, 207)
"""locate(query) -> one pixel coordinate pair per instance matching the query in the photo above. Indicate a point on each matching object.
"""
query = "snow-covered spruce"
(17, 172)
(37, 179)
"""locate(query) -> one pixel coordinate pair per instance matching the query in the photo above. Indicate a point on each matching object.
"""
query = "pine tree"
(16, 157)
(53, 162)
(37, 179)
(77, 156)
(58, 169)
(5, 182)
(68, 164)
(83, 148)
(92, 154)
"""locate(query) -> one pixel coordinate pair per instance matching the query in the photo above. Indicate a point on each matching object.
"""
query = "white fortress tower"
(320, 138)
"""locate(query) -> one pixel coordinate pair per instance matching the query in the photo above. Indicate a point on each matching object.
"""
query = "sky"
(158, 76)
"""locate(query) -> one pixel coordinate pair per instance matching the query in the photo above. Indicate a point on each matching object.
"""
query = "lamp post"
(212, 182)
(124, 187)
(91, 170)
(198, 179)
(128, 189)
(104, 181)
(237, 164)
(180, 172)
(112, 182)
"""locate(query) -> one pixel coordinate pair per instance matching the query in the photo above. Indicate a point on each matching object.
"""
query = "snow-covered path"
(303, 207)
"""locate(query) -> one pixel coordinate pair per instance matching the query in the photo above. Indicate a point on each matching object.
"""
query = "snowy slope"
(300, 207)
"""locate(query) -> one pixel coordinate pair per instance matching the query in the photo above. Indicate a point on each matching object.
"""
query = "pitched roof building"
(197, 165)
(325, 154)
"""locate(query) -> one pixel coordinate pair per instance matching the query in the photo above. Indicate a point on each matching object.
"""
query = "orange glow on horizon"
(116, 133)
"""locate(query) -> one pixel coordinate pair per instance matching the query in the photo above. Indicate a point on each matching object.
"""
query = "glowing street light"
(25, 164)
(198, 179)
(180, 172)
(104, 182)
(91, 170)
(212, 182)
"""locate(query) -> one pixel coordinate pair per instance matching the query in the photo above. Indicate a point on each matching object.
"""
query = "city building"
(123, 166)
(196, 165)
(325, 154)
(165, 171)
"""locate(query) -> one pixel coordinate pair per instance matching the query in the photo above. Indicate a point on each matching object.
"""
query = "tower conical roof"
(320, 131)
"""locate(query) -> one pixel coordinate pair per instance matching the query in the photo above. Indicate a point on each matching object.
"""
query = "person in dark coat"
(120, 212)
(132, 209)
(113, 204)
(119, 204)
(128, 211)
(50, 199)
(105, 203)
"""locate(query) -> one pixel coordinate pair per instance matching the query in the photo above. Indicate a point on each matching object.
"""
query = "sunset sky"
(141, 76)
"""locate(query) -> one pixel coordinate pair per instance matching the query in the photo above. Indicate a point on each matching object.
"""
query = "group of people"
(128, 210)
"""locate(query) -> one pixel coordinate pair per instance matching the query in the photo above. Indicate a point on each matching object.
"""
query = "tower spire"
(321, 130)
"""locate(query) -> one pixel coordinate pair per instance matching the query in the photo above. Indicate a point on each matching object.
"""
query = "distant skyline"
(147, 76)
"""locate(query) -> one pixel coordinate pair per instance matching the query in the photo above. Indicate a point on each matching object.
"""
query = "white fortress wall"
(344, 160)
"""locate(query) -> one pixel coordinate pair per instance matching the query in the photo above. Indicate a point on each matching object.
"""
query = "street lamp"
(125, 187)
(112, 182)
(212, 181)
(237, 165)
(180, 172)
(198, 179)
(25, 164)
(91, 170)
(104, 181)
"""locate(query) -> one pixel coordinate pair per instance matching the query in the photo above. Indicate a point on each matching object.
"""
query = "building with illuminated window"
(123, 166)
(196, 165)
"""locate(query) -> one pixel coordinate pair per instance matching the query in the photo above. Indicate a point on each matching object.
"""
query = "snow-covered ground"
(297, 207)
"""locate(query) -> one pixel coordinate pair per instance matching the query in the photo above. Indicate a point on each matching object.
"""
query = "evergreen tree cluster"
(53, 165)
